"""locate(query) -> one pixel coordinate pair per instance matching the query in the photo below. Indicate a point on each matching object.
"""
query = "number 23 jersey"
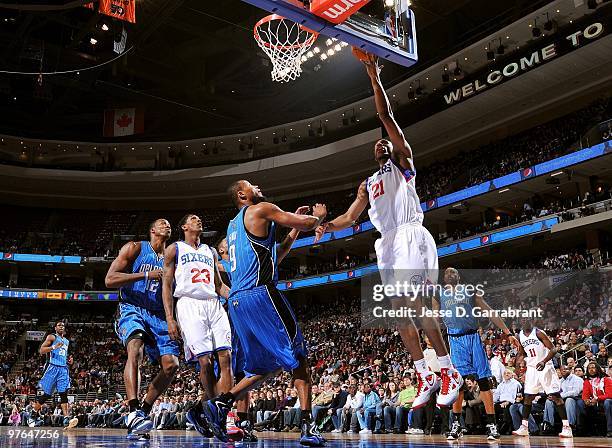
(194, 274)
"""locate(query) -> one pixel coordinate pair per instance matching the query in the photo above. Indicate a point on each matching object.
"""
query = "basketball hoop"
(285, 42)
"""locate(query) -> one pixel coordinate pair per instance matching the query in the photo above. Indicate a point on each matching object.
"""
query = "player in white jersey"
(538, 351)
(406, 251)
(202, 321)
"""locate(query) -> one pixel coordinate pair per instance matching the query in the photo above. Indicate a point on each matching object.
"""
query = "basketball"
(360, 54)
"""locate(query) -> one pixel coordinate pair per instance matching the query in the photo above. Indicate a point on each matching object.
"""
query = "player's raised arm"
(285, 246)
(304, 223)
(348, 218)
(167, 297)
(402, 152)
(116, 277)
(47, 346)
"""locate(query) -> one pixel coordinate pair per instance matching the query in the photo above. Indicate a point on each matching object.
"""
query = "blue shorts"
(55, 378)
(267, 329)
(238, 359)
(157, 341)
(468, 355)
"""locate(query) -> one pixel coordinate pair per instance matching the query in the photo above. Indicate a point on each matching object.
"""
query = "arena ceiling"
(191, 65)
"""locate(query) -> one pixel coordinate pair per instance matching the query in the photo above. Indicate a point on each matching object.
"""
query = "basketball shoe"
(451, 385)
(138, 424)
(197, 419)
(429, 383)
(215, 412)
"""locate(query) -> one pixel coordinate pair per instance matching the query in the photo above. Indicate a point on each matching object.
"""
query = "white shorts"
(546, 381)
(205, 327)
(407, 253)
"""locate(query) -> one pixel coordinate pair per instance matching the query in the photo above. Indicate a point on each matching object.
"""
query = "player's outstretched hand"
(157, 274)
(173, 330)
(320, 231)
(302, 210)
(372, 66)
(319, 211)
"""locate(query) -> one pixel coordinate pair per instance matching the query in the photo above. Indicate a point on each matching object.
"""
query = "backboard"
(383, 27)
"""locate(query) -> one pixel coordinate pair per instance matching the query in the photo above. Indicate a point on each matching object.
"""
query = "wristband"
(146, 276)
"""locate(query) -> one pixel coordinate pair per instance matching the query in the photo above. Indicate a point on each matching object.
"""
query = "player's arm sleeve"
(355, 210)
(116, 275)
(46, 346)
(168, 281)
(272, 212)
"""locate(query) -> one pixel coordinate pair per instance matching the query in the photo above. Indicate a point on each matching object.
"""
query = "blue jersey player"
(261, 315)
(141, 323)
(456, 305)
(56, 375)
(238, 358)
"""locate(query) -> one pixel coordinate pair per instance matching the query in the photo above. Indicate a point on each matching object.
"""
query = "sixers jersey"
(145, 293)
(59, 356)
(459, 306)
(535, 350)
(252, 259)
(393, 197)
(194, 274)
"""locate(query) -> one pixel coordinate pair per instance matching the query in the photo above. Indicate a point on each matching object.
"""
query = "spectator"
(597, 393)
(368, 412)
(505, 396)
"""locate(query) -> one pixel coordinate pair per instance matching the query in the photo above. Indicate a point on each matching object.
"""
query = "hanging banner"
(120, 9)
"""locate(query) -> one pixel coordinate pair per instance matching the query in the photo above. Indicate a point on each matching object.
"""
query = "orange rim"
(271, 17)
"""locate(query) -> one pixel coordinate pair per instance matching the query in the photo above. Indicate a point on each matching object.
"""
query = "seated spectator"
(368, 412)
(404, 404)
(336, 406)
(597, 393)
(385, 411)
(354, 404)
(505, 396)
(472, 404)
(571, 393)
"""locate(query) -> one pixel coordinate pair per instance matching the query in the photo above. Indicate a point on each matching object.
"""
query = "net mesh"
(284, 42)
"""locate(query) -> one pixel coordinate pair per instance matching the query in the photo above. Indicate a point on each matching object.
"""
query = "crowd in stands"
(364, 379)
(101, 233)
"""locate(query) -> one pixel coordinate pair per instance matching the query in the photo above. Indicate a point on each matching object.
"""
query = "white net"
(285, 42)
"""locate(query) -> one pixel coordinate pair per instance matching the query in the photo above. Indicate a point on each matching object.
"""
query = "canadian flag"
(121, 122)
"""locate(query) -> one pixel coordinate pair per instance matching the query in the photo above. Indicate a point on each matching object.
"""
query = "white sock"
(565, 422)
(525, 423)
(445, 362)
(421, 366)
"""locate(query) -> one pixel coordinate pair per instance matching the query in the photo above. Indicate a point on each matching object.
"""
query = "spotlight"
(328, 42)
(337, 47)
(310, 54)
(316, 50)
(104, 27)
(323, 56)
(330, 52)
(93, 41)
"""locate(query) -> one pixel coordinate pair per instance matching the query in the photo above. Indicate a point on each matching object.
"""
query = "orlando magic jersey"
(145, 293)
(194, 276)
(393, 198)
(252, 259)
(458, 316)
(59, 356)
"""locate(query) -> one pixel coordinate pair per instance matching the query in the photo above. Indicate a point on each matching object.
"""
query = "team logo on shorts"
(235, 303)
(417, 279)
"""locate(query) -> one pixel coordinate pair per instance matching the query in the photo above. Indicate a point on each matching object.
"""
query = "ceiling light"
(323, 56)
(93, 41)
(337, 47)
(328, 42)
(104, 27)
(316, 50)
(330, 52)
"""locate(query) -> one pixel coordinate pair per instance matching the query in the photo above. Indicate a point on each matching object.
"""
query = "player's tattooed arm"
(270, 212)
(402, 153)
(552, 351)
(285, 246)
(348, 218)
(116, 275)
(479, 301)
(47, 346)
(167, 297)
(220, 288)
